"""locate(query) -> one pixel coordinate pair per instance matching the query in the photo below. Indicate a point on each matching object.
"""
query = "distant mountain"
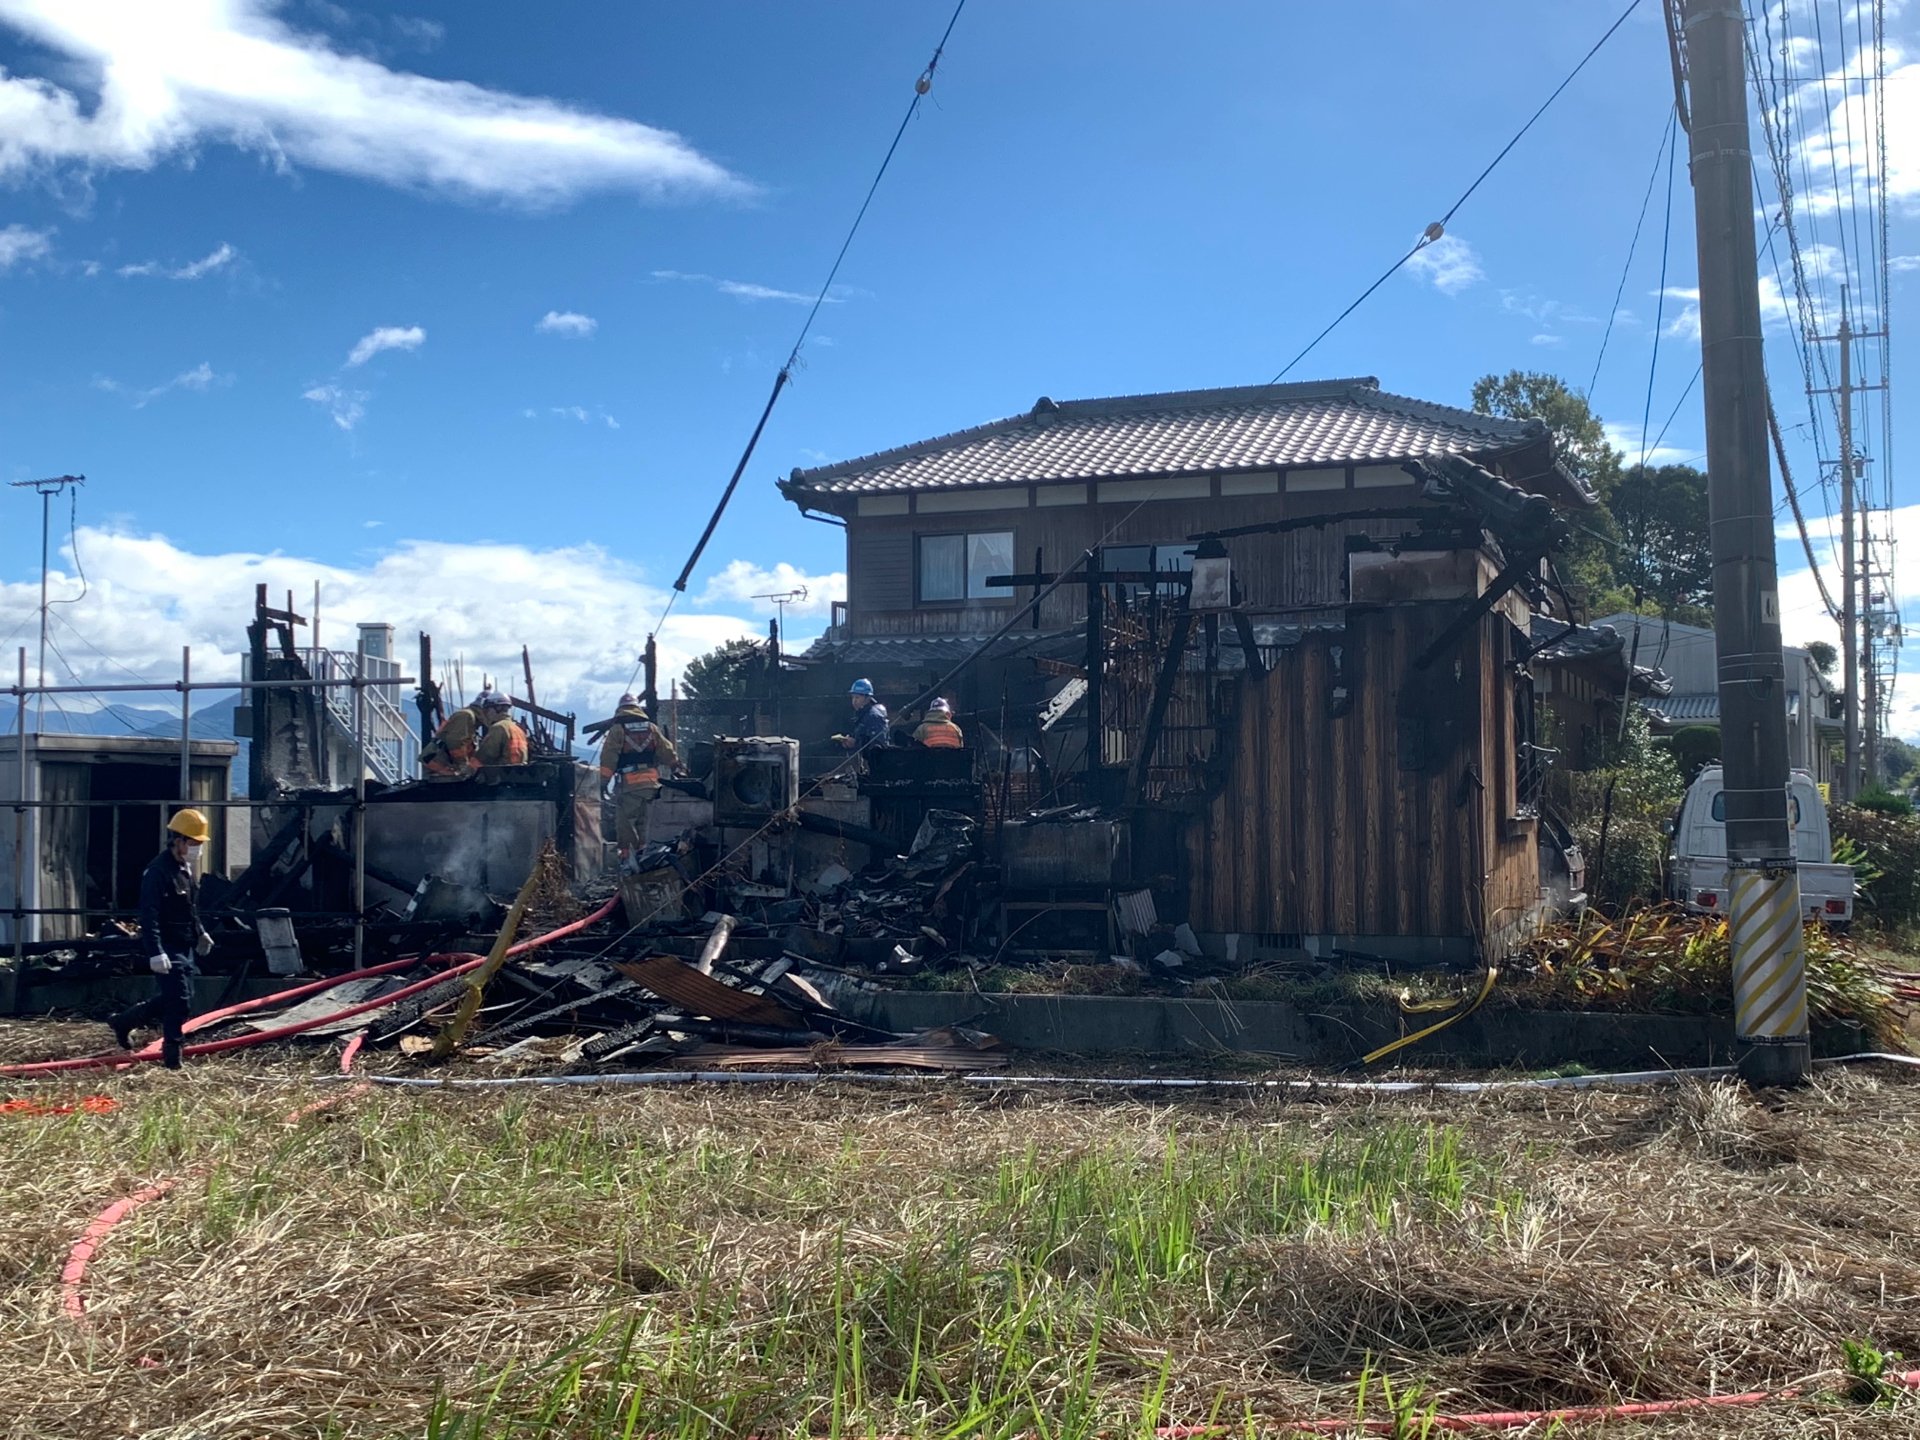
(213, 721)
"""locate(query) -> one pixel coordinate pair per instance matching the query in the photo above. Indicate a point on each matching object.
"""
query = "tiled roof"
(1687, 709)
(1558, 643)
(1249, 427)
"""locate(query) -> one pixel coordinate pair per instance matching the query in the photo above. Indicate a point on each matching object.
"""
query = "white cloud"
(1550, 341)
(1901, 264)
(162, 80)
(1449, 264)
(416, 31)
(742, 580)
(18, 244)
(1839, 110)
(1627, 440)
(152, 595)
(200, 379)
(1803, 617)
(346, 407)
(386, 337)
(194, 270)
(576, 412)
(568, 323)
(747, 289)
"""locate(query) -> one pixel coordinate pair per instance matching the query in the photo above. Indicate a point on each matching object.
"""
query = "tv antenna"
(47, 489)
(782, 599)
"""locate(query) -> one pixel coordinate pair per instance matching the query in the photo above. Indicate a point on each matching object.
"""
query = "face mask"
(193, 850)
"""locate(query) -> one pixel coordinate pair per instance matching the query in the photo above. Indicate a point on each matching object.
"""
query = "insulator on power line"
(1433, 232)
(923, 84)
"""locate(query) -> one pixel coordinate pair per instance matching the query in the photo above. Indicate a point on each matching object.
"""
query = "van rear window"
(1720, 808)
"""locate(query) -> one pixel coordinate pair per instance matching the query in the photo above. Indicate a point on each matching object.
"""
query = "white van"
(1697, 866)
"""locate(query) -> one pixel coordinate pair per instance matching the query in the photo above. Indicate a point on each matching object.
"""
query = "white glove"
(204, 946)
(160, 965)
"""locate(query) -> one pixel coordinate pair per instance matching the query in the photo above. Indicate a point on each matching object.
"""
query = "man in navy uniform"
(170, 936)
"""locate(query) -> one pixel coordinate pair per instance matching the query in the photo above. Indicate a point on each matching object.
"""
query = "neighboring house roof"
(1687, 710)
(1558, 643)
(1184, 432)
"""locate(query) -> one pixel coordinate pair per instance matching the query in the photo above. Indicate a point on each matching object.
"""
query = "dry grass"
(844, 1260)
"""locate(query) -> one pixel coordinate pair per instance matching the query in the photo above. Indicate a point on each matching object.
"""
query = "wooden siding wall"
(1301, 569)
(1321, 830)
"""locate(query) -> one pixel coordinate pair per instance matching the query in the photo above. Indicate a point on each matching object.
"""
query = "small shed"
(74, 858)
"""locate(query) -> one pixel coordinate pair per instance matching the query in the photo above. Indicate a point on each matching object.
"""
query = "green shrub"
(1645, 788)
(1694, 748)
(1884, 849)
(1884, 801)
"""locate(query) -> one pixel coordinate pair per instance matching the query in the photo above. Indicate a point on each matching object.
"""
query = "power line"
(920, 89)
(1438, 228)
(1666, 139)
(1659, 311)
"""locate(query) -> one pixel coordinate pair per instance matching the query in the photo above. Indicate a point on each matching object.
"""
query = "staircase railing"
(392, 748)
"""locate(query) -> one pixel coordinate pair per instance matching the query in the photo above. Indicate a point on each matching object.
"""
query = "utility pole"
(1857, 629)
(1768, 946)
(47, 490)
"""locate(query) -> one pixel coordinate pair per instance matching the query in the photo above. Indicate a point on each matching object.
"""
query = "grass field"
(928, 1261)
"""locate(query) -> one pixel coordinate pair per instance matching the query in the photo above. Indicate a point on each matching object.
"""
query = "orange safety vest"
(940, 735)
(516, 746)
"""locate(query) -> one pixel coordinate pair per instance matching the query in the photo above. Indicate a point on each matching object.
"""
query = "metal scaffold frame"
(26, 803)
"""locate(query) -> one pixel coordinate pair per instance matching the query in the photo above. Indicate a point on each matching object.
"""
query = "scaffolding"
(365, 688)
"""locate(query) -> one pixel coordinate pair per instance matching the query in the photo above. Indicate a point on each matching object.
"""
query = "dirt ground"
(934, 1259)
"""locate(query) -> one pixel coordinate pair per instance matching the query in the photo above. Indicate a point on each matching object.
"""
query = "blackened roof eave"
(1499, 437)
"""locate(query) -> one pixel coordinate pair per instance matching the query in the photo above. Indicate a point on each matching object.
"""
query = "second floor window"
(956, 567)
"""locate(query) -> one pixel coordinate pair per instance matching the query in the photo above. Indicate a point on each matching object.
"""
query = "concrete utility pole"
(1769, 949)
(1857, 630)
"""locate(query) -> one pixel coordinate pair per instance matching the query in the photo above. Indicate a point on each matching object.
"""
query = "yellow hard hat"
(190, 823)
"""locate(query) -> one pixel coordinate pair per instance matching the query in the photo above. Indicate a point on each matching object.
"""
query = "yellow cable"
(1486, 989)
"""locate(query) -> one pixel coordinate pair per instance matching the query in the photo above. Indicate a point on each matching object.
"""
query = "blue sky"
(279, 289)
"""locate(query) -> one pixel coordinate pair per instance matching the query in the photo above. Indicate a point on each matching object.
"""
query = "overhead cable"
(1666, 139)
(920, 88)
(1438, 228)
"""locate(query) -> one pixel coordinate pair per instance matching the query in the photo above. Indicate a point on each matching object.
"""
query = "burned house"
(1274, 641)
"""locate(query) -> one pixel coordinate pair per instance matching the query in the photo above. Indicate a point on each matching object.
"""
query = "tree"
(1824, 657)
(1898, 760)
(1580, 442)
(1666, 553)
(728, 670)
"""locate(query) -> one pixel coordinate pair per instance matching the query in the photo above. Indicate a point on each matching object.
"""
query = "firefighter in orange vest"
(505, 743)
(633, 756)
(449, 755)
(937, 731)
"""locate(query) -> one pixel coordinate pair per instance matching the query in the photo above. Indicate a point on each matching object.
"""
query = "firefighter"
(937, 731)
(505, 743)
(869, 720)
(171, 935)
(449, 755)
(632, 756)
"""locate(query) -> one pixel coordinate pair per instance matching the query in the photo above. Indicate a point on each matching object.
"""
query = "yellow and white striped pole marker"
(1769, 974)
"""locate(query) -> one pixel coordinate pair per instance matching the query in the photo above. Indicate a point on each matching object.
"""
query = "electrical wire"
(73, 544)
(1438, 228)
(1666, 139)
(921, 87)
(1659, 315)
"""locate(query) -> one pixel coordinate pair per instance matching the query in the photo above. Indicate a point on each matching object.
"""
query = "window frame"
(1004, 596)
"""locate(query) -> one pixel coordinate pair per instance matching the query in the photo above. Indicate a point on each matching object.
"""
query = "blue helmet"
(862, 687)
